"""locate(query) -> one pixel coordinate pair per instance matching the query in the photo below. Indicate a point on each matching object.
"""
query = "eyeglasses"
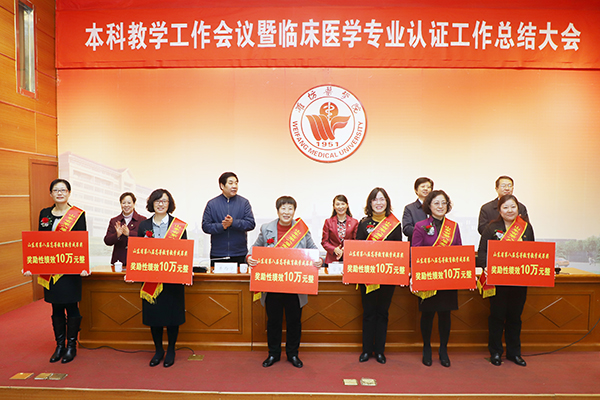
(437, 204)
(161, 201)
(60, 191)
(381, 201)
(509, 186)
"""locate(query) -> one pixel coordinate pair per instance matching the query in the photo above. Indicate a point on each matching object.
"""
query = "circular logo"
(328, 123)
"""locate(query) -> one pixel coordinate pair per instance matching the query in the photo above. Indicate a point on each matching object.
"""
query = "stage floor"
(27, 345)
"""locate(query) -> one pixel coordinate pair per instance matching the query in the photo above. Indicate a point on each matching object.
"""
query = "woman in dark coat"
(63, 291)
(506, 306)
(376, 303)
(427, 232)
(121, 227)
(168, 308)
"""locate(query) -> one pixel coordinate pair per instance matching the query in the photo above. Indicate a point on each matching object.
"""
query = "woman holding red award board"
(432, 232)
(62, 291)
(275, 234)
(376, 299)
(163, 304)
(341, 226)
(506, 302)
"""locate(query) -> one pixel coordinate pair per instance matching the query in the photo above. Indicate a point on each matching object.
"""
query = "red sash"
(294, 235)
(381, 232)
(514, 233)
(151, 290)
(66, 223)
(384, 228)
(445, 238)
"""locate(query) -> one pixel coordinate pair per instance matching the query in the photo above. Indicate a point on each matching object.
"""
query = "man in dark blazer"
(489, 211)
(413, 212)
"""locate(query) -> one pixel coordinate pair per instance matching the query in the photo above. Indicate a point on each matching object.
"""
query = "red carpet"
(27, 344)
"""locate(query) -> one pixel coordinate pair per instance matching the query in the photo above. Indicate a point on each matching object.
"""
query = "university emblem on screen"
(328, 123)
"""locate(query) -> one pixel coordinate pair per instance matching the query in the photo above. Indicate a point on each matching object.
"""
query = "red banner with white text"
(521, 263)
(121, 35)
(443, 267)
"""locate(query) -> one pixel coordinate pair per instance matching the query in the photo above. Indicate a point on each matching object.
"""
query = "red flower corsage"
(45, 222)
(499, 234)
(429, 229)
(149, 234)
(270, 241)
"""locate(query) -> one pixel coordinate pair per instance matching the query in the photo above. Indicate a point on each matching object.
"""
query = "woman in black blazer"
(65, 293)
(168, 308)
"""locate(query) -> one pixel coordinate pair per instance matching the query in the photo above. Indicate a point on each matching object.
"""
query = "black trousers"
(506, 308)
(376, 306)
(275, 304)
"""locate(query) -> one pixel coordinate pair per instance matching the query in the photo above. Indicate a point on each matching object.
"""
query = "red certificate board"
(520, 263)
(284, 270)
(371, 262)
(160, 260)
(55, 252)
(442, 268)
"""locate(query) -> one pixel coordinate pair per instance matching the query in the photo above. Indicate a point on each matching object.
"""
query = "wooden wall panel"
(15, 298)
(46, 135)
(46, 95)
(45, 15)
(8, 5)
(11, 262)
(45, 51)
(7, 33)
(8, 86)
(14, 175)
(17, 128)
(16, 219)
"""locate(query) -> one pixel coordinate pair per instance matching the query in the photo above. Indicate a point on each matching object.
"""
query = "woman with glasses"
(376, 299)
(62, 291)
(167, 307)
(437, 230)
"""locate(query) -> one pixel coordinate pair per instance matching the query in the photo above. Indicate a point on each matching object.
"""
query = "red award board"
(160, 260)
(376, 262)
(520, 263)
(282, 270)
(49, 252)
(442, 268)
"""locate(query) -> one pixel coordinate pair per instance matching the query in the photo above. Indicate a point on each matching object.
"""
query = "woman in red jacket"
(341, 226)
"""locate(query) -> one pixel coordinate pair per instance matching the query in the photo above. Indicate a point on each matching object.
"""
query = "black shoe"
(156, 359)
(444, 359)
(169, 359)
(380, 358)
(59, 325)
(296, 362)
(270, 360)
(364, 357)
(496, 359)
(73, 324)
(517, 360)
(427, 356)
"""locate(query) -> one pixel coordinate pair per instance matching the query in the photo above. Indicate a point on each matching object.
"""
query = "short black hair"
(372, 195)
(285, 200)
(432, 195)
(421, 181)
(121, 197)
(59, 180)
(503, 200)
(156, 195)
(504, 177)
(226, 175)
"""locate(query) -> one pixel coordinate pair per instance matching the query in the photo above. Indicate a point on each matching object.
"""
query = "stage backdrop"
(180, 128)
